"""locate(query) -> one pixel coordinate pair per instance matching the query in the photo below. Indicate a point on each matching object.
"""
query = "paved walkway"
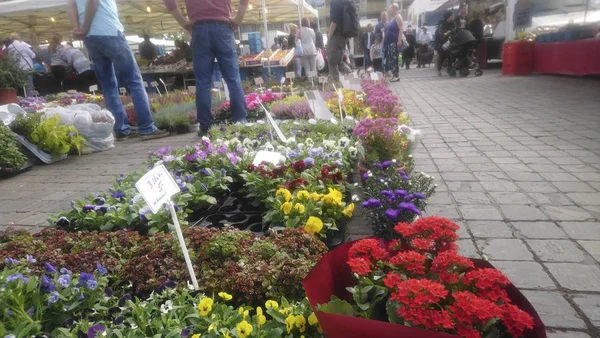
(518, 166)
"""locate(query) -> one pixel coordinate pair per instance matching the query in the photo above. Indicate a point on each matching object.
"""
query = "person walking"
(393, 38)
(309, 50)
(293, 41)
(318, 35)
(147, 49)
(21, 52)
(423, 44)
(368, 41)
(379, 32)
(211, 24)
(409, 50)
(97, 23)
(336, 42)
(445, 29)
(377, 55)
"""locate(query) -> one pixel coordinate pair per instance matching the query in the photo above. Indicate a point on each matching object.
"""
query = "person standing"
(377, 55)
(82, 66)
(97, 23)
(409, 51)
(336, 42)
(147, 49)
(275, 45)
(461, 18)
(22, 53)
(393, 38)
(445, 29)
(309, 50)
(368, 40)
(293, 40)
(58, 65)
(379, 32)
(423, 44)
(211, 23)
(318, 35)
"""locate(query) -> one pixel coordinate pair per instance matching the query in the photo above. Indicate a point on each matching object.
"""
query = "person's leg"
(384, 62)
(297, 66)
(312, 63)
(440, 61)
(225, 50)
(304, 60)
(335, 52)
(407, 61)
(108, 80)
(204, 59)
(393, 59)
(118, 51)
(367, 58)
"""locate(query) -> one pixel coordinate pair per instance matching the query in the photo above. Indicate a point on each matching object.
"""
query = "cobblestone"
(554, 310)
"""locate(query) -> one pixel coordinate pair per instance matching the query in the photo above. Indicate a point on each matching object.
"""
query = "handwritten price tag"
(282, 80)
(374, 76)
(290, 75)
(312, 74)
(154, 84)
(323, 79)
(258, 81)
(145, 84)
(123, 90)
(157, 187)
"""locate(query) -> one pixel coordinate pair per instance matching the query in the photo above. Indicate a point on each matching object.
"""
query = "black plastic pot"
(201, 212)
(239, 221)
(238, 203)
(10, 172)
(333, 239)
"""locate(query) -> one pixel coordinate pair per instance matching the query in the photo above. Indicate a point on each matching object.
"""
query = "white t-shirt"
(307, 39)
(22, 53)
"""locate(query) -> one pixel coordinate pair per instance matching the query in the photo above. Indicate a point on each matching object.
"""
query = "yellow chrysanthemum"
(301, 323)
(205, 306)
(244, 329)
(316, 197)
(290, 321)
(225, 296)
(299, 208)
(286, 194)
(286, 208)
(313, 225)
(349, 210)
(260, 317)
(303, 195)
(271, 304)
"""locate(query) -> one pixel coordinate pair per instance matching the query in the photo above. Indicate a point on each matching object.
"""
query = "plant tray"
(238, 203)
(42, 155)
(10, 172)
(255, 61)
(238, 221)
(281, 62)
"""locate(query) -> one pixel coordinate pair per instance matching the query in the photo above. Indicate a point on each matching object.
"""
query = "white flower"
(333, 120)
(255, 143)
(409, 156)
(329, 144)
(353, 152)
(260, 121)
(268, 147)
(297, 123)
(190, 286)
(247, 143)
(300, 145)
(312, 121)
(280, 148)
(133, 326)
(381, 180)
(370, 174)
(343, 142)
(394, 161)
(249, 124)
(218, 141)
(309, 142)
(348, 117)
(204, 138)
(355, 198)
(423, 173)
(435, 185)
(282, 159)
(356, 184)
(136, 198)
(386, 183)
(291, 140)
(433, 177)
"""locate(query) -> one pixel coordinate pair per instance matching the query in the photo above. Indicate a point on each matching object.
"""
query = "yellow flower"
(205, 306)
(246, 313)
(299, 208)
(290, 321)
(271, 304)
(286, 207)
(316, 197)
(261, 318)
(312, 319)
(313, 225)
(225, 296)
(197, 335)
(287, 195)
(303, 195)
(348, 210)
(301, 323)
(212, 327)
(225, 334)
(243, 329)
(240, 310)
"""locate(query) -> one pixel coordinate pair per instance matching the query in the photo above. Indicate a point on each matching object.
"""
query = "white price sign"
(323, 79)
(312, 74)
(218, 84)
(266, 156)
(93, 88)
(154, 84)
(157, 187)
(290, 75)
(340, 95)
(374, 76)
(72, 91)
(145, 84)
(282, 80)
(258, 81)
(123, 90)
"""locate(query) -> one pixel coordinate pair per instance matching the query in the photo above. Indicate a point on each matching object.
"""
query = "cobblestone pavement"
(517, 162)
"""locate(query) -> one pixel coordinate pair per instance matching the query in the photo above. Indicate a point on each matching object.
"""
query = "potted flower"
(381, 140)
(12, 77)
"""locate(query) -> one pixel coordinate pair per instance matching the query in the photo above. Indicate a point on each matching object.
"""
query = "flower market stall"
(260, 234)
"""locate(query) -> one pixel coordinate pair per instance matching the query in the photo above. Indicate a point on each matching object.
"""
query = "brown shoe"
(154, 135)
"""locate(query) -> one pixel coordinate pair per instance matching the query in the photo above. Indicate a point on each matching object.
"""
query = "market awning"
(45, 18)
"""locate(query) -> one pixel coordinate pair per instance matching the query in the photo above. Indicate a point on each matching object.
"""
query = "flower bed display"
(417, 287)
(253, 101)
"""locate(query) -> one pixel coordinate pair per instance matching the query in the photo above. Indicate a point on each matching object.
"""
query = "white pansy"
(297, 123)
(282, 159)
(291, 140)
(204, 138)
(333, 120)
(260, 121)
(312, 121)
(349, 118)
(218, 141)
(329, 144)
(394, 161)
(370, 174)
(280, 148)
(353, 151)
(247, 143)
(255, 143)
(300, 146)
(133, 326)
(343, 142)
(190, 286)
(356, 184)
(268, 147)
(167, 306)
(309, 142)
(410, 156)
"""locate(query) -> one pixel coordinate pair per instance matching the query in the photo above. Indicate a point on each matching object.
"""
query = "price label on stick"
(323, 79)
(290, 75)
(258, 81)
(157, 187)
(266, 156)
(312, 74)
(93, 88)
(145, 84)
(282, 80)
(374, 76)
(123, 90)
(274, 125)
(154, 84)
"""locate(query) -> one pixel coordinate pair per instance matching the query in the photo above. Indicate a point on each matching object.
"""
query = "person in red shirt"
(211, 24)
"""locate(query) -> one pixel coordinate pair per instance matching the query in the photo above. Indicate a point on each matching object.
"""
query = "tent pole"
(587, 5)
(266, 29)
(301, 5)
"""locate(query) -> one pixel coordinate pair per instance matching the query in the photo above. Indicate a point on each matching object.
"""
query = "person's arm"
(400, 24)
(371, 53)
(336, 14)
(73, 14)
(90, 12)
(172, 8)
(239, 17)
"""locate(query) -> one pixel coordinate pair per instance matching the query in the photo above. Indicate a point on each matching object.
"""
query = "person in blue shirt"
(96, 22)
(38, 67)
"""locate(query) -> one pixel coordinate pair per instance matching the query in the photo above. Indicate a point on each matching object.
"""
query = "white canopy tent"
(38, 20)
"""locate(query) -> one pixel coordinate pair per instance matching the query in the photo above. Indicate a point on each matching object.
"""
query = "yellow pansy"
(303, 195)
(286, 207)
(261, 318)
(312, 319)
(290, 321)
(240, 310)
(349, 210)
(197, 335)
(225, 296)
(334, 197)
(313, 225)
(301, 323)
(286, 194)
(271, 304)
(212, 327)
(225, 333)
(205, 306)
(299, 208)
(316, 197)
(243, 329)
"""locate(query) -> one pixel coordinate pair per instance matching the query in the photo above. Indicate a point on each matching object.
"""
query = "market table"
(577, 57)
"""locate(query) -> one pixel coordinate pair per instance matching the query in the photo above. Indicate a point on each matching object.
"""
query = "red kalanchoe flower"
(515, 319)
(428, 318)
(419, 292)
(368, 248)
(430, 233)
(467, 331)
(448, 265)
(489, 282)
(422, 244)
(411, 261)
(470, 309)
(392, 280)
(360, 265)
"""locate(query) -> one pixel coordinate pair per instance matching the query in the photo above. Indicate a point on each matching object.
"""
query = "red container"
(517, 58)
(8, 96)
(332, 275)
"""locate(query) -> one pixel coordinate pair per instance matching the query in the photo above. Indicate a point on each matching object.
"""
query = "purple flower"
(87, 208)
(31, 311)
(100, 208)
(371, 203)
(416, 195)
(30, 259)
(53, 298)
(64, 281)
(309, 161)
(47, 285)
(100, 200)
(94, 330)
(108, 292)
(204, 172)
(102, 270)
(92, 284)
(65, 271)
(401, 193)
(49, 267)
(10, 261)
(163, 151)
(67, 323)
(16, 277)
(392, 214)
(118, 194)
(387, 193)
(232, 158)
(189, 178)
(85, 277)
(191, 157)
(185, 333)
(409, 207)
(123, 300)
(385, 164)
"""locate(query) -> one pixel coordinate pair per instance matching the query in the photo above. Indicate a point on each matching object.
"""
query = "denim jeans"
(335, 54)
(110, 53)
(210, 40)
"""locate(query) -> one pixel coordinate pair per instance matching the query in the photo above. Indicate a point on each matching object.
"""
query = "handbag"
(298, 50)
(320, 60)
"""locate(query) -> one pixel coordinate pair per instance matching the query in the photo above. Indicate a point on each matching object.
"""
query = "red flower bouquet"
(416, 287)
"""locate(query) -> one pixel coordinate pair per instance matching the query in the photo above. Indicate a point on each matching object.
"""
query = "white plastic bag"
(320, 60)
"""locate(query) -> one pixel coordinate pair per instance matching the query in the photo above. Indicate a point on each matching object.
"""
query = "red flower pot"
(8, 96)
(332, 275)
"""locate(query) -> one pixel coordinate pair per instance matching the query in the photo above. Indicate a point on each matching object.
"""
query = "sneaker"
(123, 137)
(204, 132)
(395, 79)
(158, 133)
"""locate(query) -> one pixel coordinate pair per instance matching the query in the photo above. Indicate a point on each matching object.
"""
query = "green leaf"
(391, 307)
(338, 306)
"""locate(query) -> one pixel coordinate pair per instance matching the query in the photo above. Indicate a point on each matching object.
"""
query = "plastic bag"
(92, 122)
(320, 60)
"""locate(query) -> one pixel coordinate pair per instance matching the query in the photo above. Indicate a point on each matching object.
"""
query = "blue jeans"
(110, 53)
(210, 40)
(367, 58)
